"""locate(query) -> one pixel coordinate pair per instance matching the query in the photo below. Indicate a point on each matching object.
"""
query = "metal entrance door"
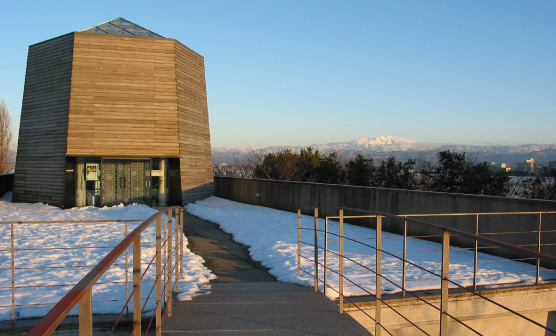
(125, 181)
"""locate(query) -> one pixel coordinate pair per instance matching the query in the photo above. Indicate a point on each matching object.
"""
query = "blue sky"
(305, 72)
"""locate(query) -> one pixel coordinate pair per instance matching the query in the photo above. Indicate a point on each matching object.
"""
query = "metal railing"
(318, 258)
(17, 250)
(168, 264)
(536, 230)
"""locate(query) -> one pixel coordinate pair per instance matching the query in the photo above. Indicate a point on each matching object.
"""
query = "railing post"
(126, 270)
(169, 266)
(341, 262)
(158, 319)
(404, 264)
(299, 242)
(539, 244)
(12, 261)
(163, 257)
(476, 257)
(325, 253)
(444, 283)
(378, 306)
(86, 314)
(177, 251)
(137, 283)
(182, 233)
(316, 250)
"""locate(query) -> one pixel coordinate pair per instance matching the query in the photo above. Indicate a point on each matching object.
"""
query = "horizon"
(374, 138)
(300, 73)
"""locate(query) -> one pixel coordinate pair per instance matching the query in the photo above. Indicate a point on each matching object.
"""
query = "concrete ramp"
(260, 308)
(246, 300)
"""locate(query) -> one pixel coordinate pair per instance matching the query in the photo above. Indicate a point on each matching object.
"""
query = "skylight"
(120, 26)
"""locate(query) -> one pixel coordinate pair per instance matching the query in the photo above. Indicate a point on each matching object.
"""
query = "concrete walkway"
(228, 260)
(246, 300)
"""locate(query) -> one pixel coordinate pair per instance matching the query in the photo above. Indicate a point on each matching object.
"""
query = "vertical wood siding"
(41, 155)
(123, 97)
(112, 96)
(194, 137)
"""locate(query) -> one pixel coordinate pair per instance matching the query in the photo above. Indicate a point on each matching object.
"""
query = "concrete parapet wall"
(535, 302)
(514, 229)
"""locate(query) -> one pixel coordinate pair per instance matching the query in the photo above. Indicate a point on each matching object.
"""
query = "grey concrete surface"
(227, 259)
(260, 308)
(292, 195)
(246, 300)
(102, 324)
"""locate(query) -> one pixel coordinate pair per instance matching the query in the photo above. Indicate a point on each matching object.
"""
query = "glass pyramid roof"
(120, 26)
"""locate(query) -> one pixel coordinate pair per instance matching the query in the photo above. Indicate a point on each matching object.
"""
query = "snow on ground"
(272, 235)
(49, 246)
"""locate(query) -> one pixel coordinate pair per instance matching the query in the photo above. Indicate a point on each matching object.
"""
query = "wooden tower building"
(113, 114)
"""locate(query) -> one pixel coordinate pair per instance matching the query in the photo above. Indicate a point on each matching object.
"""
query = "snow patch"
(272, 235)
(42, 248)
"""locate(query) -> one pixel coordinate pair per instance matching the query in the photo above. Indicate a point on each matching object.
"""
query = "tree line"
(455, 172)
(6, 139)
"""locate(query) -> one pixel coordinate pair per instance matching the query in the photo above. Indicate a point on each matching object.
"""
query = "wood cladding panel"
(123, 97)
(41, 155)
(194, 134)
(107, 95)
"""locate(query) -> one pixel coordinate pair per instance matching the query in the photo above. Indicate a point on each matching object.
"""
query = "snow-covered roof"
(120, 26)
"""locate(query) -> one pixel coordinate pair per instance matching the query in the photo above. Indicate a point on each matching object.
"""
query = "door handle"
(122, 182)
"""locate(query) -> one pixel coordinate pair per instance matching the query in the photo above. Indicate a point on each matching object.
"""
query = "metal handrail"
(81, 293)
(444, 276)
(480, 213)
(74, 221)
(529, 252)
(12, 249)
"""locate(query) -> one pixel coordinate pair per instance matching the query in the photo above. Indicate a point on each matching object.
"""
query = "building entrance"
(125, 181)
(111, 181)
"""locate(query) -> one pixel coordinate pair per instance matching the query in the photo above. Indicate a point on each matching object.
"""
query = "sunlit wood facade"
(130, 109)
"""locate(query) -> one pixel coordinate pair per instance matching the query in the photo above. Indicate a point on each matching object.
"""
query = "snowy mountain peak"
(404, 149)
(381, 143)
(384, 140)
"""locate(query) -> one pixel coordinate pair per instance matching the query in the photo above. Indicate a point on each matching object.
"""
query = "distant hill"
(404, 149)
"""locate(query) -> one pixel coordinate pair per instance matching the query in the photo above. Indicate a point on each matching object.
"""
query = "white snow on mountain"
(385, 140)
(388, 142)
(403, 149)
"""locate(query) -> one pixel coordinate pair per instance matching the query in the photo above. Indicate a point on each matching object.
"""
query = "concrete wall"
(290, 196)
(535, 302)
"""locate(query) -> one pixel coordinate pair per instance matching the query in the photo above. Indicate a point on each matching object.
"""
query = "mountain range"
(403, 149)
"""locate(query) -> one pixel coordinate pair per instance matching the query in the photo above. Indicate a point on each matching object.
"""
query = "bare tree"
(6, 138)
(240, 166)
